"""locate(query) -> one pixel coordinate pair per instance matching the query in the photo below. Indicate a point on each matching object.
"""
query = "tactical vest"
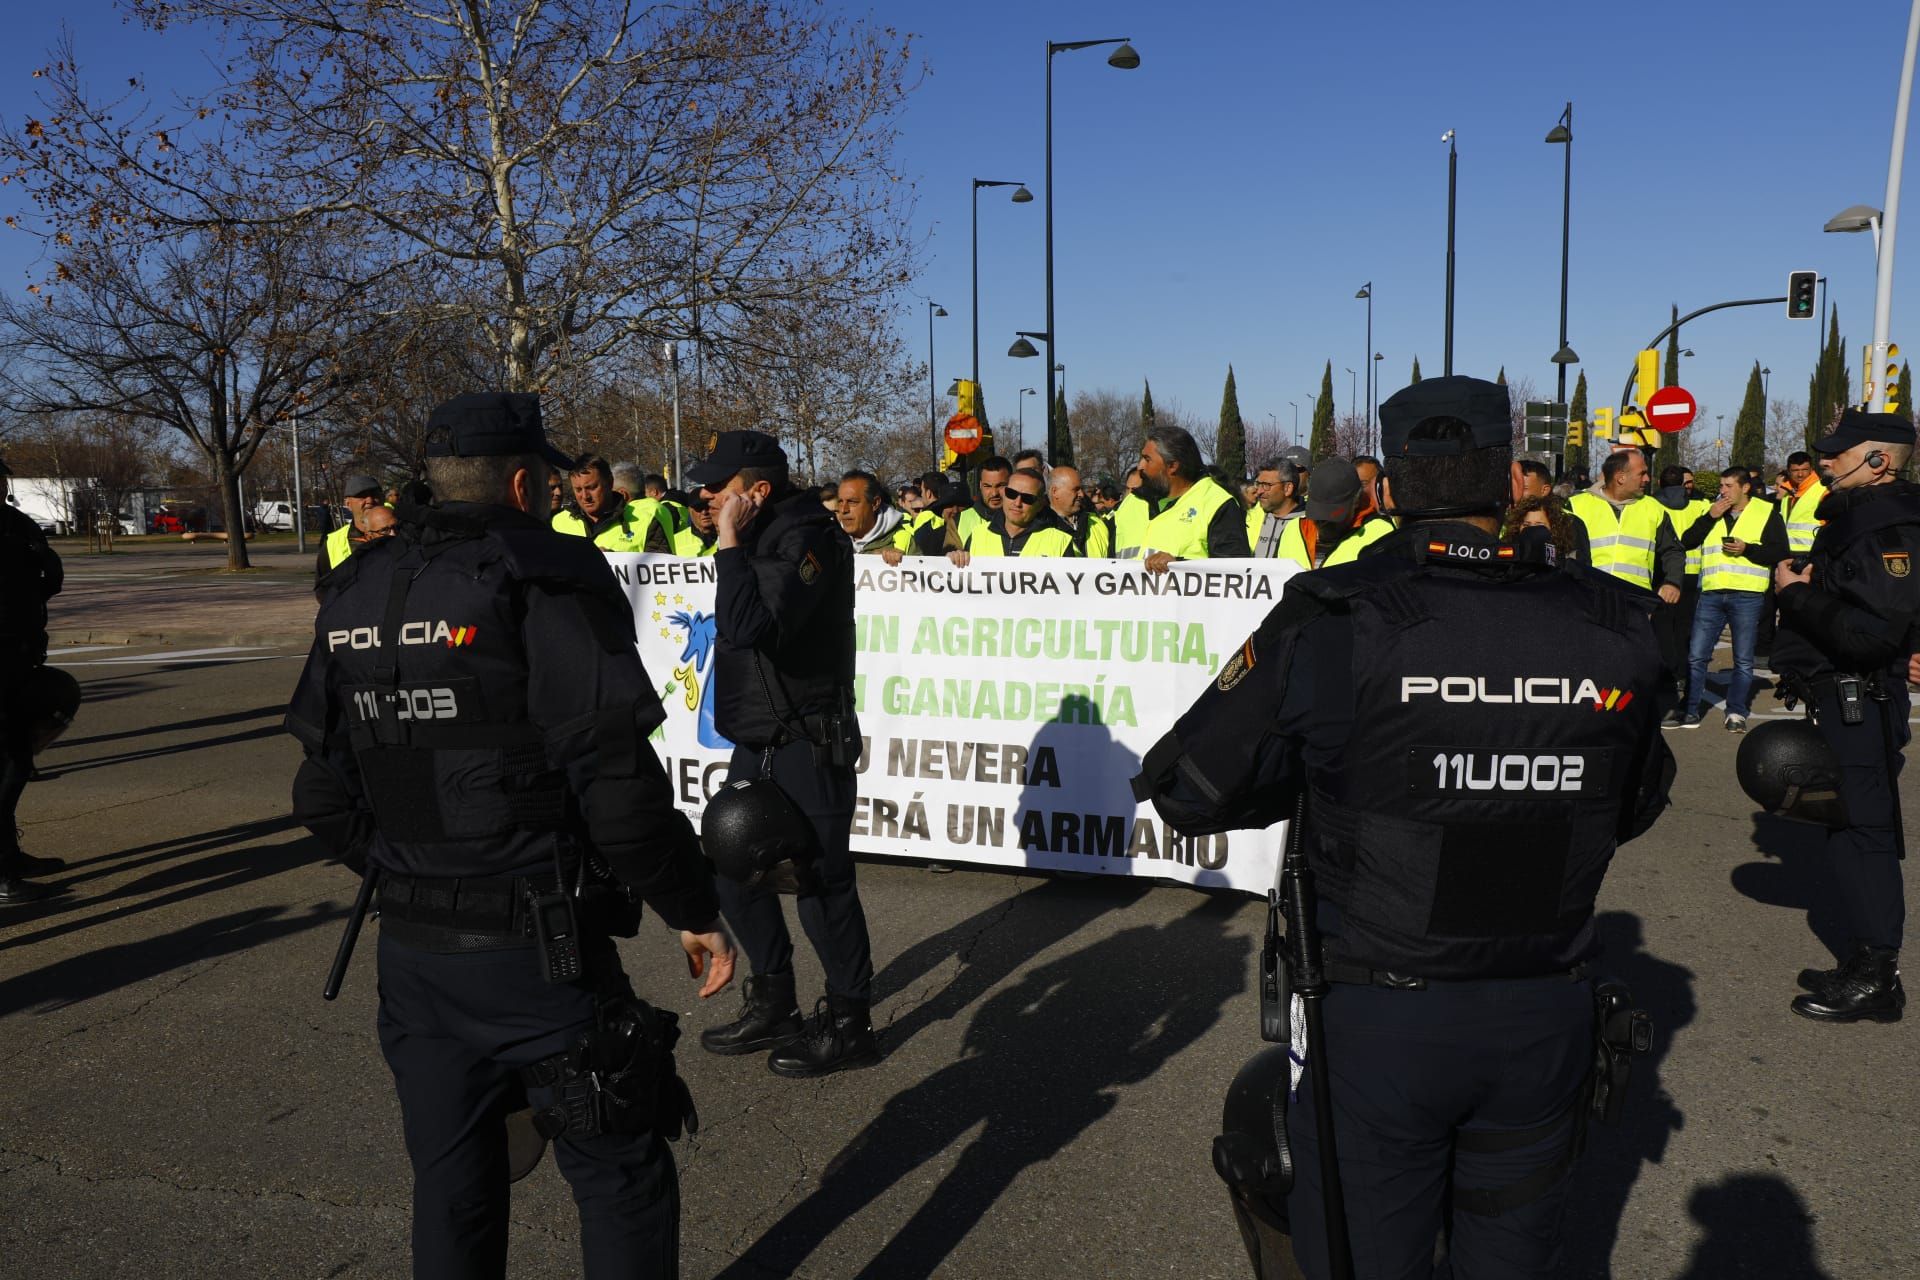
(688, 542)
(425, 645)
(1293, 542)
(1130, 521)
(1498, 724)
(1722, 572)
(1622, 541)
(987, 541)
(1800, 514)
(1684, 519)
(1181, 529)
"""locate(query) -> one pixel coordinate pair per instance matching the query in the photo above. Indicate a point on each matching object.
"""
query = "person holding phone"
(1741, 536)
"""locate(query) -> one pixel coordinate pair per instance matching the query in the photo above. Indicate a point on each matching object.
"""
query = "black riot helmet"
(756, 837)
(1251, 1158)
(1788, 769)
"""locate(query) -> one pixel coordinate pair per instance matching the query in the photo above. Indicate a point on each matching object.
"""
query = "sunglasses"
(1015, 495)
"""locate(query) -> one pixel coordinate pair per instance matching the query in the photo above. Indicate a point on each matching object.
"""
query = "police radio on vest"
(1541, 690)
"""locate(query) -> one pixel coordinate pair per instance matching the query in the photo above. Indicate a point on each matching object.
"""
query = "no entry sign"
(1670, 408)
(963, 433)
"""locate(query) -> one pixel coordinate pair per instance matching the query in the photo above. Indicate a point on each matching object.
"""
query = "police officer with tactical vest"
(1847, 613)
(1503, 706)
(1198, 519)
(475, 720)
(783, 681)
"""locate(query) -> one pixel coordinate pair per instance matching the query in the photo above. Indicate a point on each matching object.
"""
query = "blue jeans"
(1739, 610)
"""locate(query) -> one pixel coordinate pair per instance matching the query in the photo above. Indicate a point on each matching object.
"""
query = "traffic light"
(1646, 376)
(1602, 423)
(1800, 293)
(1576, 434)
(1893, 377)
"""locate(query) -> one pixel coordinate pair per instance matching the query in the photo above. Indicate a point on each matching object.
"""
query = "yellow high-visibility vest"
(1622, 541)
(1293, 542)
(1130, 521)
(1682, 520)
(628, 532)
(986, 541)
(688, 542)
(1722, 572)
(339, 545)
(1799, 511)
(1181, 529)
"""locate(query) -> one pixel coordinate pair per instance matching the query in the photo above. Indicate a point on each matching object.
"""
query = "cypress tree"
(1320, 442)
(1750, 428)
(1416, 371)
(1230, 445)
(1831, 387)
(1576, 455)
(1502, 379)
(1669, 452)
(1062, 433)
(1906, 392)
(1146, 407)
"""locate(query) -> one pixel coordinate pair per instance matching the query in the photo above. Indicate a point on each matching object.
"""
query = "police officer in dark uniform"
(783, 682)
(1473, 730)
(1846, 631)
(475, 720)
(30, 575)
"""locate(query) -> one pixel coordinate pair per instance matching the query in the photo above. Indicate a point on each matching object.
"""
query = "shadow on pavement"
(1042, 1061)
(1615, 1156)
(64, 767)
(1756, 1224)
(1792, 877)
(989, 948)
(94, 973)
(178, 726)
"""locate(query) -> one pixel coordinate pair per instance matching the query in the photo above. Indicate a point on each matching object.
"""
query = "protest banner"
(1005, 706)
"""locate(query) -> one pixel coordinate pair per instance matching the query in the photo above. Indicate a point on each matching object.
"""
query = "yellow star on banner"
(659, 598)
(656, 617)
(665, 634)
(679, 599)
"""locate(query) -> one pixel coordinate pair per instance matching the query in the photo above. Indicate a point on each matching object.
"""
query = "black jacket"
(1858, 614)
(783, 614)
(30, 575)
(522, 713)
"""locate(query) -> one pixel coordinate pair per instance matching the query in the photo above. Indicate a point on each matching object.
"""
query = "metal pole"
(299, 498)
(1453, 176)
(1051, 349)
(1566, 229)
(976, 285)
(673, 358)
(1890, 218)
(933, 413)
(1626, 392)
(1022, 398)
(1372, 373)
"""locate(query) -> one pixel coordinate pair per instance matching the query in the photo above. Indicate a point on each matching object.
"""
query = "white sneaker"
(1736, 724)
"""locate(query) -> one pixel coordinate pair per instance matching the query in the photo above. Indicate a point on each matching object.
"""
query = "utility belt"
(619, 1077)
(1851, 692)
(834, 737)
(448, 914)
(1361, 976)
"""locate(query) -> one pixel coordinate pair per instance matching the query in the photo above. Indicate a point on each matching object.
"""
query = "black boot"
(1818, 980)
(14, 890)
(769, 1017)
(839, 1036)
(1868, 987)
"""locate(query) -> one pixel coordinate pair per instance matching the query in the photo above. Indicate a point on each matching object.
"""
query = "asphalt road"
(176, 1099)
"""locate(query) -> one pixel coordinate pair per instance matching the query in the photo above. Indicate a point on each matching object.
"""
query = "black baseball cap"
(359, 486)
(1856, 426)
(1446, 415)
(491, 424)
(1335, 488)
(733, 452)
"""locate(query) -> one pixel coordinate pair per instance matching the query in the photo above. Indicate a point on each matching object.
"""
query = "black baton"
(1310, 984)
(344, 952)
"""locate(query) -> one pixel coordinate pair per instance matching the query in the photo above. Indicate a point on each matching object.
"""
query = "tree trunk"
(228, 479)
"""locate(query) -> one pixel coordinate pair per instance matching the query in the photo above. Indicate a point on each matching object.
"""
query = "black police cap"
(734, 452)
(1445, 415)
(1856, 426)
(491, 424)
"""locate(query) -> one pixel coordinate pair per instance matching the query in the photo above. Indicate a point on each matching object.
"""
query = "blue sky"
(1224, 201)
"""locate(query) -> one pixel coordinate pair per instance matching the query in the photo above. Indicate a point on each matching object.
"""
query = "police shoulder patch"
(1236, 669)
(809, 569)
(1897, 563)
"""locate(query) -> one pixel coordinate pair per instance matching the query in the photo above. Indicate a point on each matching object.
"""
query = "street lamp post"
(1020, 196)
(1024, 393)
(1766, 395)
(1373, 400)
(1366, 291)
(1295, 404)
(933, 412)
(299, 499)
(1353, 389)
(1453, 183)
(1126, 59)
(673, 359)
(1562, 135)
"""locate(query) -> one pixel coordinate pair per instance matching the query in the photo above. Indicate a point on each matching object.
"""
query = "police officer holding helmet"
(783, 682)
(475, 720)
(1847, 612)
(1468, 731)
